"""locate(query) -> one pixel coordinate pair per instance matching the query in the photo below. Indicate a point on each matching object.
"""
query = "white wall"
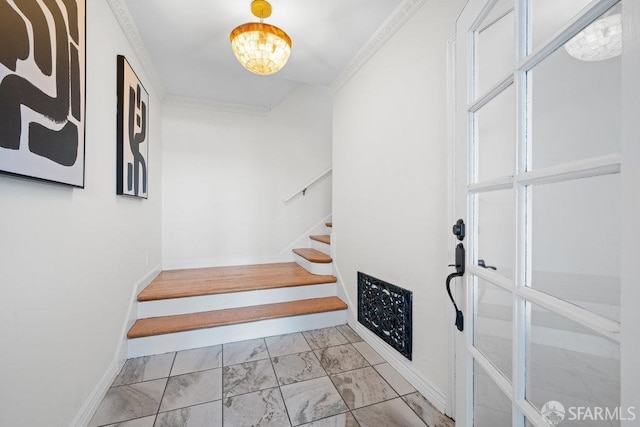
(70, 258)
(390, 178)
(225, 176)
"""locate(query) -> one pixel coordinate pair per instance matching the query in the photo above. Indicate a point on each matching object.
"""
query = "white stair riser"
(225, 334)
(322, 247)
(174, 306)
(314, 267)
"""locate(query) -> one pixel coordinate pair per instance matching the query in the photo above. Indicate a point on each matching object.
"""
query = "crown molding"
(124, 18)
(216, 106)
(388, 28)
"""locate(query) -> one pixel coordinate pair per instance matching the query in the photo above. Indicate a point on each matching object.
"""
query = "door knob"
(459, 229)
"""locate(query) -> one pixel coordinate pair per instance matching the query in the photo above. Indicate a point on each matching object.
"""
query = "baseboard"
(431, 392)
(95, 398)
(220, 262)
(285, 255)
(341, 290)
(132, 315)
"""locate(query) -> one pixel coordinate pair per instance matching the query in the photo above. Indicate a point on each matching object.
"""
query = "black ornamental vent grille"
(386, 310)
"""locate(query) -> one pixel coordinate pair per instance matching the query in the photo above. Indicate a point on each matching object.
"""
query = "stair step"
(175, 306)
(329, 224)
(313, 255)
(221, 280)
(324, 239)
(210, 319)
(159, 344)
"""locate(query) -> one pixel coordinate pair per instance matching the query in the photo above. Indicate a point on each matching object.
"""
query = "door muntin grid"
(523, 196)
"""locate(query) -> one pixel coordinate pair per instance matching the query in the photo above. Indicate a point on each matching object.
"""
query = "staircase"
(184, 309)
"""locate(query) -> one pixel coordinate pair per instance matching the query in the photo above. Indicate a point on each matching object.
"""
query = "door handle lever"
(459, 232)
(482, 264)
(459, 315)
(459, 265)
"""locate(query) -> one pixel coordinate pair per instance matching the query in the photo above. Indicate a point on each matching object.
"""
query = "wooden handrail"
(304, 188)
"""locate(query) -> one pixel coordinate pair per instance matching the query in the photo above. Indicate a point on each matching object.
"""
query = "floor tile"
(559, 380)
(244, 351)
(484, 416)
(351, 335)
(287, 344)
(392, 413)
(395, 380)
(362, 387)
(294, 368)
(605, 392)
(197, 359)
(248, 377)
(192, 389)
(594, 365)
(128, 402)
(369, 353)
(312, 400)
(261, 408)
(547, 355)
(341, 358)
(427, 412)
(138, 422)
(341, 420)
(145, 369)
(203, 391)
(323, 338)
(488, 394)
(205, 415)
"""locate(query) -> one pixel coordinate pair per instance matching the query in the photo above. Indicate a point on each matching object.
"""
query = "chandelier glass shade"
(261, 48)
(599, 41)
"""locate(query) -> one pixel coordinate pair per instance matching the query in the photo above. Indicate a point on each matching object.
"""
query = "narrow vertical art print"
(133, 133)
(42, 89)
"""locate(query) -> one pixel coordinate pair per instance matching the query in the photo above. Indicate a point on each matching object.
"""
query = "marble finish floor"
(322, 378)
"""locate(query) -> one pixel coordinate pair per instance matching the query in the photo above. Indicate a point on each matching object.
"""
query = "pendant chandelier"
(600, 40)
(261, 48)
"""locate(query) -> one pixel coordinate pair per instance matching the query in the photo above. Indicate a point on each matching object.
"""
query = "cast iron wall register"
(386, 310)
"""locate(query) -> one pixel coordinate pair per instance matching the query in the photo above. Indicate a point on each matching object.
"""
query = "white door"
(538, 161)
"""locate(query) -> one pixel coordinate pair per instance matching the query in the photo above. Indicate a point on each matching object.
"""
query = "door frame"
(630, 149)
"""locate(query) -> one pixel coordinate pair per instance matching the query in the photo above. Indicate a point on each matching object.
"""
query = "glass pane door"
(539, 141)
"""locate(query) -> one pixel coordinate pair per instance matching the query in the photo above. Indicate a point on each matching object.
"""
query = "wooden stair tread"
(209, 319)
(329, 224)
(221, 280)
(313, 255)
(324, 239)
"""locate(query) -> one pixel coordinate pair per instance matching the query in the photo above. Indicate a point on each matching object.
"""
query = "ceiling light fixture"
(261, 48)
(599, 41)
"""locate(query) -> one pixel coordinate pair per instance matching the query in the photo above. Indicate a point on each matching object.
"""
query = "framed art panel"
(42, 89)
(133, 134)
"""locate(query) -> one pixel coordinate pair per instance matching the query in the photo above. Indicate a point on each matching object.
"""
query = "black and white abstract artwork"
(42, 89)
(133, 133)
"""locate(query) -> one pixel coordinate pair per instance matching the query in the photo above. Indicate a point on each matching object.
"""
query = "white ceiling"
(188, 44)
